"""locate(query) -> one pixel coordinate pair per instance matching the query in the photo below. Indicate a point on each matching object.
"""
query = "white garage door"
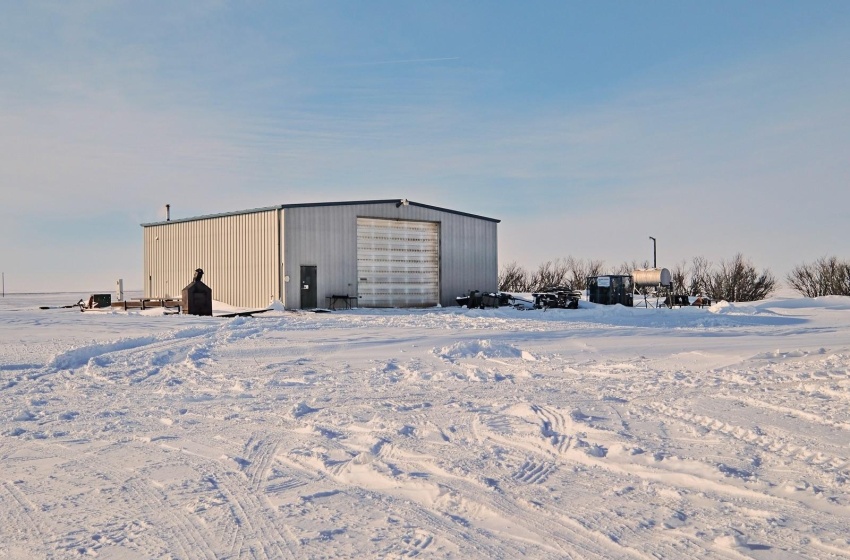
(398, 263)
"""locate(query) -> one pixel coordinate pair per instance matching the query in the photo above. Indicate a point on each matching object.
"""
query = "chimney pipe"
(167, 212)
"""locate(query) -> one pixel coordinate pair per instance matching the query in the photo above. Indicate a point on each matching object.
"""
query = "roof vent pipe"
(167, 212)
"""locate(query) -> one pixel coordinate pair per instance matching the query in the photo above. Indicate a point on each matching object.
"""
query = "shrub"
(569, 272)
(626, 268)
(679, 276)
(580, 269)
(827, 276)
(698, 276)
(550, 273)
(514, 278)
(738, 280)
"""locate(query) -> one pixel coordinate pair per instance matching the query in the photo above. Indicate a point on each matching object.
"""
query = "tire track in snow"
(789, 411)
(541, 429)
(171, 529)
(535, 526)
(588, 521)
(584, 534)
(664, 544)
(829, 464)
(188, 534)
(498, 513)
(417, 510)
(256, 525)
(804, 503)
(534, 472)
(260, 453)
(553, 427)
(254, 535)
(174, 526)
(22, 520)
(185, 533)
(417, 543)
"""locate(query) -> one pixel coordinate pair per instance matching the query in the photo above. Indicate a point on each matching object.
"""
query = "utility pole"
(654, 261)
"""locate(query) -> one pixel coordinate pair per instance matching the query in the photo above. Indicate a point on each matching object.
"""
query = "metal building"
(384, 253)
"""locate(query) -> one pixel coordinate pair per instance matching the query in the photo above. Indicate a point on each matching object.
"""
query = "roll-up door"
(398, 263)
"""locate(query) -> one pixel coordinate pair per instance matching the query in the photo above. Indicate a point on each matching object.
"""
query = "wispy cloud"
(405, 61)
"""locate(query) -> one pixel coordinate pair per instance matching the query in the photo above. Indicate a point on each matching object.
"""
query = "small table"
(336, 298)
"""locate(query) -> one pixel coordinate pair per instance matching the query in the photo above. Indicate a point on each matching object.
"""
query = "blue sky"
(586, 127)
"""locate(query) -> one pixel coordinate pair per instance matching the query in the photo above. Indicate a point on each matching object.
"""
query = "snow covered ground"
(601, 432)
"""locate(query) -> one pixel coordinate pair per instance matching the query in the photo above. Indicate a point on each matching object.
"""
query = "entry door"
(309, 290)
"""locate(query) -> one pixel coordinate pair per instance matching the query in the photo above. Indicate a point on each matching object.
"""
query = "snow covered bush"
(827, 276)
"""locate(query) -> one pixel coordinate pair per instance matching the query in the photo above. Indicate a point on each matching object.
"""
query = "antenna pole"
(654, 260)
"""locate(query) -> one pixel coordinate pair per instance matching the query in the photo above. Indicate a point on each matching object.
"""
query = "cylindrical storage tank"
(646, 277)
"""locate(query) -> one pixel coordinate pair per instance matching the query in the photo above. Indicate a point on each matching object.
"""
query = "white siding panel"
(398, 263)
(238, 253)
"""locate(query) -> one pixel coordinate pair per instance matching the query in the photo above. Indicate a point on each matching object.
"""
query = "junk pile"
(79, 304)
(478, 300)
(95, 301)
(557, 297)
(686, 300)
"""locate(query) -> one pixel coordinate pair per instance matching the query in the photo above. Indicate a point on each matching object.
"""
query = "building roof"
(312, 204)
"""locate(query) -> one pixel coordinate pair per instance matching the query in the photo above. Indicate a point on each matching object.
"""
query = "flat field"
(602, 432)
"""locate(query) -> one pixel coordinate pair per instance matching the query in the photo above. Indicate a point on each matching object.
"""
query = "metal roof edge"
(316, 204)
(208, 216)
(450, 211)
(389, 201)
(341, 203)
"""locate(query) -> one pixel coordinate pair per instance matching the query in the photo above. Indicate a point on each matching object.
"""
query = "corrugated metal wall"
(398, 263)
(326, 237)
(240, 256)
